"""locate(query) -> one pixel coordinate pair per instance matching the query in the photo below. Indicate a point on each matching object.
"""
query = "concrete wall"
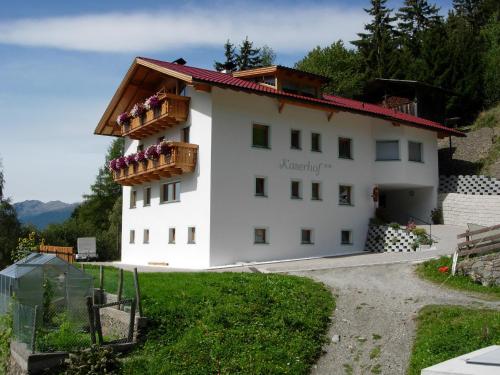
(460, 209)
(192, 210)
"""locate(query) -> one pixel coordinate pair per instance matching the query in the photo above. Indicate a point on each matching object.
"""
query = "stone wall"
(483, 269)
(461, 209)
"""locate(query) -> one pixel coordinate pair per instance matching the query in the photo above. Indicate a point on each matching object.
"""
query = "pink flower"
(130, 159)
(112, 166)
(151, 152)
(120, 163)
(137, 110)
(140, 157)
(152, 102)
(123, 119)
(163, 148)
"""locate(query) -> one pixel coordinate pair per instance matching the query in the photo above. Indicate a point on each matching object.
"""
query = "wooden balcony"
(182, 159)
(173, 110)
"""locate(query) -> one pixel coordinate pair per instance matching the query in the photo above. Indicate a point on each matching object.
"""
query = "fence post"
(132, 322)
(82, 267)
(101, 284)
(97, 317)
(137, 292)
(90, 311)
(33, 333)
(120, 287)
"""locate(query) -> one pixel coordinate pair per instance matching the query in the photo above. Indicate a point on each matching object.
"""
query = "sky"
(61, 62)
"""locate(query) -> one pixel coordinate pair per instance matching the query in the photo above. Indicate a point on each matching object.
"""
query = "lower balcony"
(179, 159)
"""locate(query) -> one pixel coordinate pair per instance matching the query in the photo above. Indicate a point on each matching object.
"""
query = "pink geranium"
(138, 110)
(152, 102)
(163, 148)
(140, 156)
(151, 153)
(130, 159)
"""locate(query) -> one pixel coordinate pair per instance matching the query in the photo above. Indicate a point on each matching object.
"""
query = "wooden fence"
(66, 253)
(478, 241)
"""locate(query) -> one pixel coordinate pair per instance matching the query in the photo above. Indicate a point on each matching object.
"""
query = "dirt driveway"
(375, 316)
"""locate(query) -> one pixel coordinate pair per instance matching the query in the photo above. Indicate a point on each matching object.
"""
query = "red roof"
(227, 80)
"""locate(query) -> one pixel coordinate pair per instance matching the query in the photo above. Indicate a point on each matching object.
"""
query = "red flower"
(444, 269)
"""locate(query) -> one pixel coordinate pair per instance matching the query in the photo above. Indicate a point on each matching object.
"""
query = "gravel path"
(375, 316)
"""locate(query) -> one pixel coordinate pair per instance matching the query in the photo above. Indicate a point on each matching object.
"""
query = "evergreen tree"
(476, 12)
(267, 56)
(377, 45)
(231, 58)
(490, 34)
(10, 228)
(248, 57)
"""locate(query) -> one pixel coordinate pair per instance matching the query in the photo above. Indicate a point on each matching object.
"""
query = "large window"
(296, 189)
(316, 142)
(260, 136)
(260, 236)
(346, 237)
(345, 195)
(316, 191)
(147, 196)
(133, 199)
(260, 187)
(295, 140)
(170, 192)
(306, 237)
(345, 148)
(387, 150)
(415, 151)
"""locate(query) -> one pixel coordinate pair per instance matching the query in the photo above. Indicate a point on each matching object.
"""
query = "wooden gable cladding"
(182, 159)
(173, 110)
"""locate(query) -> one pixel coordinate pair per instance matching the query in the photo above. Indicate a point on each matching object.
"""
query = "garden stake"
(137, 292)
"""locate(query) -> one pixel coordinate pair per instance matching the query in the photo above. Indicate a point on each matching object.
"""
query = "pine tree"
(2, 181)
(476, 12)
(231, 58)
(248, 57)
(377, 45)
(267, 55)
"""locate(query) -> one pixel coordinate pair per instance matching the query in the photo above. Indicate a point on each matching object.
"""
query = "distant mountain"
(41, 214)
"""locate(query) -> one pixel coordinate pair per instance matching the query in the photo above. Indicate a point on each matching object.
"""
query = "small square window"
(185, 134)
(171, 235)
(260, 187)
(346, 237)
(147, 196)
(295, 140)
(415, 151)
(316, 142)
(295, 188)
(316, 191)
(260, 236)
(191, 235)
(345, 195)
(306, 237)
(132, 236)
(133, 199)
(146, 236)
(345, 148)
(387, 150)
(260, 136)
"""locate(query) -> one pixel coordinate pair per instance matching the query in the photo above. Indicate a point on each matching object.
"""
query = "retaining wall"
(482, 269)
(461, 209)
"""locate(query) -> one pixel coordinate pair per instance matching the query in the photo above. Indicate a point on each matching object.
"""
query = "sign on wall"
(309, 166)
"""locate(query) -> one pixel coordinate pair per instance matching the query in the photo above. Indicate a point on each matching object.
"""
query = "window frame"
(421, 144)
(311, 236)
(342, 243)
(177, 192)
(351, 148)
(264, 194)
(320, 191)
(351, 195)
(268, 147)
(300, 195)
(144, 195)
(297, 132)
(266, 235)
(320, 145)
(377, 141)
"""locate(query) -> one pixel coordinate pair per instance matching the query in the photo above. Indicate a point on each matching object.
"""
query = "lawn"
(429, 271)
(445, 332)
(228, 323)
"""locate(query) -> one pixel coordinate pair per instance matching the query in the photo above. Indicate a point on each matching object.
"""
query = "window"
(160, 139)
(170, 192)
(316, 142)
(171, 235)
(260, 236)
(145, 238)
(140, 147)
(295, 140)
(296, 190)
(346, 237)
(191, 235)
(133, 199)
(132, 236)
(387, 150)
(185, 134)
(415, 151)
(306, 237)
(345, 148)
(345, 195)
(260, 136)
(260, 187)
(316, 191)
(147, 196)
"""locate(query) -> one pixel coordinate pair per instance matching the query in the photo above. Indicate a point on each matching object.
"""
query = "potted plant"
(131, 162)
(152, 154)
(124, 121)
(164, 148)
(138, 111)
(153, 106)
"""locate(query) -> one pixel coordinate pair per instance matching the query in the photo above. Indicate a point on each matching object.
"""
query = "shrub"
(5, 336)
(437, 216)
(395, 226)
(419, 232)
(93, 361)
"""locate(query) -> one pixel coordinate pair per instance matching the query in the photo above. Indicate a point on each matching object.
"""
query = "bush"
(93, 361)
(69, 336)
(437, 216)
(395, 226)
(419, 232)
(5, 336)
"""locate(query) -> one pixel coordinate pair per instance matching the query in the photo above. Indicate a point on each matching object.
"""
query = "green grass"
(228, 323)
(429, 271)
(445, 332)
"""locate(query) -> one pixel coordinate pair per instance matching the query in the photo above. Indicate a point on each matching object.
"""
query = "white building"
(260, 166)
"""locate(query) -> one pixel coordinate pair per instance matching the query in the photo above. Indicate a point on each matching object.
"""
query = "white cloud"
(289, 28)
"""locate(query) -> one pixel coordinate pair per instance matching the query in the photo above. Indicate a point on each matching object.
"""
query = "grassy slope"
(490, 119)
(429, 271)
(444, 332)
(206, 323)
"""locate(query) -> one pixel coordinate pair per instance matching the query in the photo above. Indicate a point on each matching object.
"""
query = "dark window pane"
(315, 191)
(345, 148)
(306, 236)
(345, 195)
(260, 235)
(260, 186)
(295, 189)
(415, 151)
(387, 150)
(346, 237)
(295, 139)
(260, 136)
(315, 142)
(185, 135)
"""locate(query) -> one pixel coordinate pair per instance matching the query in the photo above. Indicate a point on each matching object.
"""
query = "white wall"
(461, 209)
(192, 210)
(235, 164)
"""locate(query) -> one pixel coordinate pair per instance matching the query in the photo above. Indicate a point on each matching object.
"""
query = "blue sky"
(61, 61)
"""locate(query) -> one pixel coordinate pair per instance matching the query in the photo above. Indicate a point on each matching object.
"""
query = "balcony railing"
(173, 109)
(181, 159)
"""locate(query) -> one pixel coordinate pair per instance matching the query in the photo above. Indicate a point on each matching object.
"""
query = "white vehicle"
(86, 248)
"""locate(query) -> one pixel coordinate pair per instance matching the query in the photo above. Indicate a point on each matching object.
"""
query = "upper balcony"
(169, 159)
(171, 110)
